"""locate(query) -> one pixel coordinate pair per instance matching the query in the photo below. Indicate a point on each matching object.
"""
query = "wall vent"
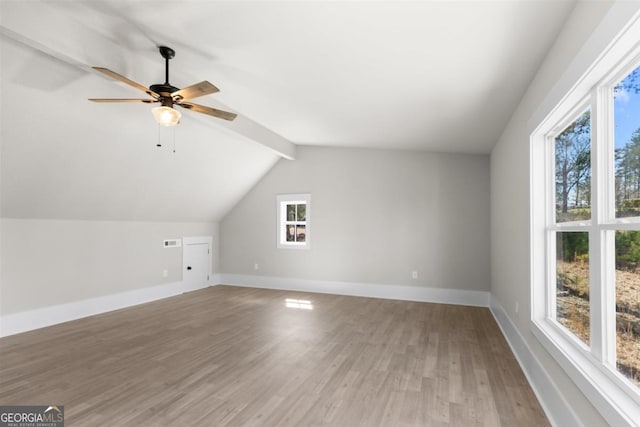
(172, 243)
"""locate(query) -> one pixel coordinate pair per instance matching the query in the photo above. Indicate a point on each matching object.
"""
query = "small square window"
(293, 212)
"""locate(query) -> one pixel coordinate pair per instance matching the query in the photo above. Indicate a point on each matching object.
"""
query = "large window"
(586, 236)
(572, 165)
(294, 212)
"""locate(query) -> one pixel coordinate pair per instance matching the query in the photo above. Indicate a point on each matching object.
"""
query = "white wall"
(377, 215)
(510, 251)
(46, 263)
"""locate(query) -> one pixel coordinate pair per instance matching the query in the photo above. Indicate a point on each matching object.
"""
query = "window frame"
(592, 368)
(282, 200)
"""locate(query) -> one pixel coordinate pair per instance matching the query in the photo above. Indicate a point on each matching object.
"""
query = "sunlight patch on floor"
(298, 303)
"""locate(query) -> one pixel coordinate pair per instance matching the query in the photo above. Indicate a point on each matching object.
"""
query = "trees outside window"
(573, 170)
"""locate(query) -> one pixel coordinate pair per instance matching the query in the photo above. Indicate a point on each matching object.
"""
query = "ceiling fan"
(168, 95)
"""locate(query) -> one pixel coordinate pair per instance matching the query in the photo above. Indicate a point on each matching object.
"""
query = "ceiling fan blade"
(146, 101)
(193, 91)
(123, 79)
(208, 110)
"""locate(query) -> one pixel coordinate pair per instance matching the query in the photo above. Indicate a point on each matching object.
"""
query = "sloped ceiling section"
(66, 158)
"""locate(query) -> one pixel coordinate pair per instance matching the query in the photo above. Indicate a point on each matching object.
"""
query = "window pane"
(291, 233)
(573, 170)
(301, 233)
(626, 116)
(572, 282)
(628, 304)
(291, 212)
(302, 212)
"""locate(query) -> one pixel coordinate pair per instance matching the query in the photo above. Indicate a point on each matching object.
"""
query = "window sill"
(293, 246)
(617, 401)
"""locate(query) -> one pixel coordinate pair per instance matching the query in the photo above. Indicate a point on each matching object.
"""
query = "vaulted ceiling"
(430, 75)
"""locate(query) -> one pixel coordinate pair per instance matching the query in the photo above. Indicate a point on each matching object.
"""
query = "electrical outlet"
(414, 274)
(256, 266)
(165, 273)
(517, 307)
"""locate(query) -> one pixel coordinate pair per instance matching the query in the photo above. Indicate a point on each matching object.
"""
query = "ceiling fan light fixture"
(166, 116)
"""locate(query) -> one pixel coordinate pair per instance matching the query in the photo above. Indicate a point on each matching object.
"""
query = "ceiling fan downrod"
(167, 53)
(166, 89)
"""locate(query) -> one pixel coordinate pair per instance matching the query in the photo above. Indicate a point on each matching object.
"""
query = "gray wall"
(377, 215)
(510, 251)
(49, 262)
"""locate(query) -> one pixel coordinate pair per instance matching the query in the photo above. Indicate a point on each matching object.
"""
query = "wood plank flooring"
(230, 356)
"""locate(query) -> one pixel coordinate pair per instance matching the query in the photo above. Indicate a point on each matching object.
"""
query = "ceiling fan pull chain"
(167, 137)
(173, 138)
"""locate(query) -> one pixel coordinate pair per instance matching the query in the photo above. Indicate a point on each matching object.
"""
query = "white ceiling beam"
(47, 29)
(256, 132)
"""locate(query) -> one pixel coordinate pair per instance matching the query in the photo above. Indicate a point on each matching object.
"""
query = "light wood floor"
(239, 357)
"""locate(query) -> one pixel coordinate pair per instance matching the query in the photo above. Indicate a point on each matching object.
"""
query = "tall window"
(586, 237)
(572, 149)
(294, 211)
(596, 222)
(626, 167)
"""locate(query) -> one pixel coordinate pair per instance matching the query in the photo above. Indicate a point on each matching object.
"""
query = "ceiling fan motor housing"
(165, 91)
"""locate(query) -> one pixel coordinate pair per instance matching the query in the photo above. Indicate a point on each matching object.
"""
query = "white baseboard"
(407, 293)
(553, 403)
(46, 316)
(11, 324)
